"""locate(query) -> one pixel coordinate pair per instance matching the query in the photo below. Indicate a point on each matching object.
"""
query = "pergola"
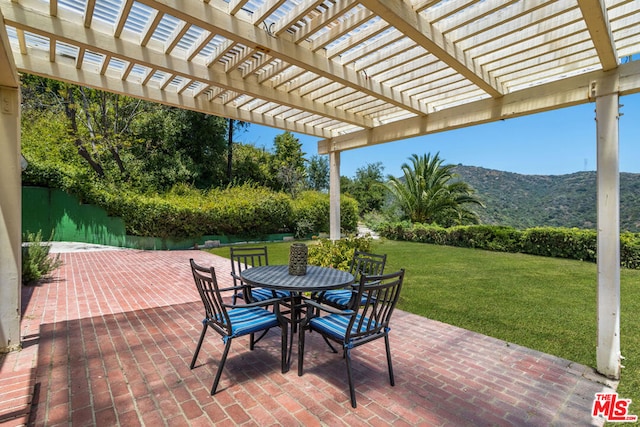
(352, 73)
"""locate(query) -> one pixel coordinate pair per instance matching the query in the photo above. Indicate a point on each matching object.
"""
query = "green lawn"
(547, 304)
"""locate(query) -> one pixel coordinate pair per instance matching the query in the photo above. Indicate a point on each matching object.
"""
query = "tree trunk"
(82, 151)
(70, 110)
(115, 153)
(230, 150)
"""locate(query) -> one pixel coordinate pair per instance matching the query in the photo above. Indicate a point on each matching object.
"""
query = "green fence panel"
(53, 210)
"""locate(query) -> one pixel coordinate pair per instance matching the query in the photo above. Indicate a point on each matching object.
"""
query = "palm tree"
(430, 193)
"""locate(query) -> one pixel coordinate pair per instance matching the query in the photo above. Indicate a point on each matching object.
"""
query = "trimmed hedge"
(630, 250)
(243, 211)
(311, 211)
(572, 243)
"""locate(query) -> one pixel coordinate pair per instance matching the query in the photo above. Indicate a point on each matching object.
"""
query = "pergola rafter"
(424, 34)
(599, 28)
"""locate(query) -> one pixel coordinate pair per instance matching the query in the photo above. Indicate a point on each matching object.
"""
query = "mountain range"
(525, 201)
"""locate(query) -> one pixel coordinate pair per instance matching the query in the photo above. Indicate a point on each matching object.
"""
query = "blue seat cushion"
(247, 320)
(261, 294)
(336, 325)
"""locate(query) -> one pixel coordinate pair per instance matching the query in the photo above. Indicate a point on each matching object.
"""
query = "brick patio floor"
(109, 341)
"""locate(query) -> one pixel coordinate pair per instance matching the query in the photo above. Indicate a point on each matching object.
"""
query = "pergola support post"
(608, 183)
(334, 195)
(10, 219)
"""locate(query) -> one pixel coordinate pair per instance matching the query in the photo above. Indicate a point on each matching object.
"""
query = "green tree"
(251, 165)
(160, 162)
(318, 173)
(345, 184)
(289, 164)
(125, 141)
(181, 146)
(368, 187)
(430, 192)
(203, 139)
(98, 123)
(50, 154)
(232, 127)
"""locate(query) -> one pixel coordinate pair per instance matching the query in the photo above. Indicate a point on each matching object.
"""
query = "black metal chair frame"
(362, 263)
(217, 316)
(364, 323)
(244, 257)
(241, 259)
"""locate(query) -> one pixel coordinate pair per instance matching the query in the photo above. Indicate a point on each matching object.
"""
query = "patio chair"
(364, 323)
(363, 263)
(247, 257)
(231, 321)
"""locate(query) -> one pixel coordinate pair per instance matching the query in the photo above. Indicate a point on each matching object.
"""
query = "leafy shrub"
(630, 250)
(428, 234)
(243, 211)
(490, 237)
(36, 262)
(572, 243)
(348, 214)
(43, 175)
(246, 210)
(338, 253)
(311, 211)
(373, 219)
(394, 230)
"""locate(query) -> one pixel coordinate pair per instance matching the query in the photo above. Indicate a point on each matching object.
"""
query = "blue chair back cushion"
(263, 294)
(339, 297)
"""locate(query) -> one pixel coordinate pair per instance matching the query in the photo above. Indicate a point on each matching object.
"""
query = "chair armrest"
(232, 288)
(238, 279)
(355, 285)
(267, 302)
(328, 309)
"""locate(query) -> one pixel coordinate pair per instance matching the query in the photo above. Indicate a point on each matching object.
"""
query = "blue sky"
(551, 143)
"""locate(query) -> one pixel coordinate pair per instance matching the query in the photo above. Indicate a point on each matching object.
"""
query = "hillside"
(524, 201)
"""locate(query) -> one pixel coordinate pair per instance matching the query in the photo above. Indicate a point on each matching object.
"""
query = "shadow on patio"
(110, 339)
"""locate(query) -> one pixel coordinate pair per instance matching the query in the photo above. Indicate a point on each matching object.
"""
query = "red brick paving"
(109, 341)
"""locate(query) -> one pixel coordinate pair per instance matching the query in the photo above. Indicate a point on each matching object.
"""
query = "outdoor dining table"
(277, 277)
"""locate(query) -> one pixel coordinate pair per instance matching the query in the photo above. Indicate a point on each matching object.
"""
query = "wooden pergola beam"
(559, 94)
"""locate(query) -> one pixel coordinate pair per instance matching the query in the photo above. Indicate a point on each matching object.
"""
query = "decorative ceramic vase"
(298, 254)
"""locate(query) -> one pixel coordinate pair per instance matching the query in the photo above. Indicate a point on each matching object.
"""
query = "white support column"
(334, 195)
(10, 219)
(608, 350)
